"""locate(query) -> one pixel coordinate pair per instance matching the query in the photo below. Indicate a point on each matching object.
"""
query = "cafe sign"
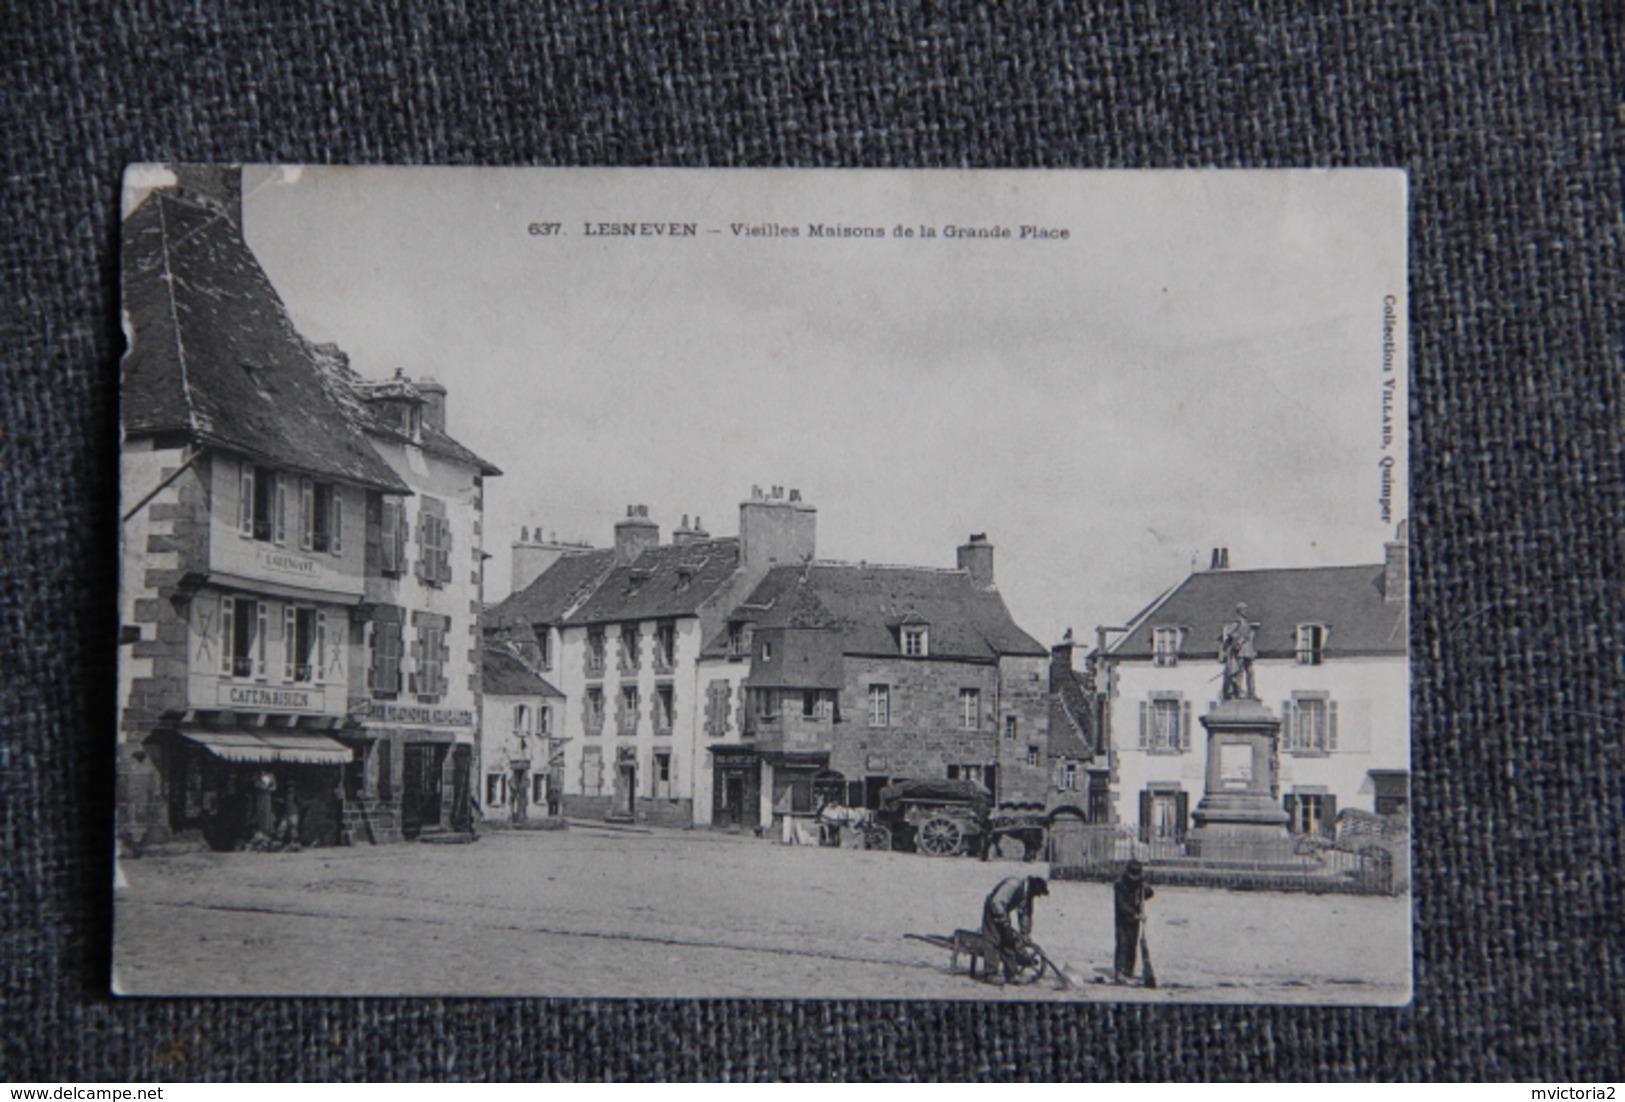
(260, 698)
(420, 715)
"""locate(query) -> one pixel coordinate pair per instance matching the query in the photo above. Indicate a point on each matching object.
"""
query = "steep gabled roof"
(505, 675)
(1347, 599)
(666, 580)
(213, 354)
(867, 603)
(555, 592)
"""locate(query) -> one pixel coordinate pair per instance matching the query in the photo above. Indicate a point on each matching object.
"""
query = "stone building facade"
(1332, 664)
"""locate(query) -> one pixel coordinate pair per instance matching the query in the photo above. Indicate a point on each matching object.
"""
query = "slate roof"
(665, 580)
(1348, 599)
(351, 391)
(505, 675)
(557, 590)
(1072, 722)
(213, 354)
(866, 604)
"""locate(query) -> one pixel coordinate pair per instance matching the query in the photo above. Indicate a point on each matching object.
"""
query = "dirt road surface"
(589, 912)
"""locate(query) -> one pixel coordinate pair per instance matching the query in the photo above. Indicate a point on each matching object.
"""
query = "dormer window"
(736, 638)
(1311, 647)
(915, 640)
(767, 651)
(1165, 646)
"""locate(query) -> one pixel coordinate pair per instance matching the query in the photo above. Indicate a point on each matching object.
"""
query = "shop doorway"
(423, 768)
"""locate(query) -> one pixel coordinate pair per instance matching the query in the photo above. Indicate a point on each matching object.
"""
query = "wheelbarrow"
(982, 957)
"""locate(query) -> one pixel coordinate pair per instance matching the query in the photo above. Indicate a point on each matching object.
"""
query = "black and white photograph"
(794, 584)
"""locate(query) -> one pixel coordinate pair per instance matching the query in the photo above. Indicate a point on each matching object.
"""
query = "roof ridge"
(863, 565)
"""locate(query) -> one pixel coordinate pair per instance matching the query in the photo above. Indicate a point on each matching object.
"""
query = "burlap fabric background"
(1509, 122)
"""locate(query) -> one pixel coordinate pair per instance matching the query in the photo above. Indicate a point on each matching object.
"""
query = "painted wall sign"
(263, 698)
(420, 714)
(289, 564)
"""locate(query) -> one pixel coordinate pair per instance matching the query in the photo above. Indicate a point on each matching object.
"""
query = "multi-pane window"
(817, 704)
(626, 718)
(1163, 815)
(592, 710)
(665, 709)
(544, 646)
(1311, 813)
(1034, 755)
(1311, 644)
(1066, 777)
(1165, 646)
(321, 516)
(496, 789)
(665, 645)
(430, 653)
(717, 695)
(914, 640)
(263, 504)
(1165, 724)
(660, 787)
(434, 543)
(242, 634)
(544, 720)
(304, 643)
(1310, 724)
(392, 537)
(630, 656)
(970, 708)
(387, 647)
(736, 639)
(521, 720)
(1010, 728)
(595, 651)
(879, 705)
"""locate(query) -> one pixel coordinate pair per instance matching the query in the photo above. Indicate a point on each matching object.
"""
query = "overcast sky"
(1198, 364)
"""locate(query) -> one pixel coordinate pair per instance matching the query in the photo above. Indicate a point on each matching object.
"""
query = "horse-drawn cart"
(940, 818)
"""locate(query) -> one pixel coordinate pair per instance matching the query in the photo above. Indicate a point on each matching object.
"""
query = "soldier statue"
(1237, 650)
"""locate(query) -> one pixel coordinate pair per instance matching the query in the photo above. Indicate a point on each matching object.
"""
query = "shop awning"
(271, 746)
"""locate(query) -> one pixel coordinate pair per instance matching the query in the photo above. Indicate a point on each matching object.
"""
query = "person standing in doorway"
(1129, 895)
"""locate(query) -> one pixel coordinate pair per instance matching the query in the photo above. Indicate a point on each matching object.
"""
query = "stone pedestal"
(1240, 818)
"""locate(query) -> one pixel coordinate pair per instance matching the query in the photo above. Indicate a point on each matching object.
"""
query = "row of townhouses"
(739, 681)
(307, 654)
(301, 558)
(736, 681)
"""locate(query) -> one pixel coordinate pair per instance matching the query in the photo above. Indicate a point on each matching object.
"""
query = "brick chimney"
(434, 403)
(634, 534)
(1396, 565)
(976, 559)
(775, 530)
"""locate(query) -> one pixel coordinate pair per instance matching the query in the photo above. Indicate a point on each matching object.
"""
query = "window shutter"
(335, 539)
(445, 654)
(290, 636)
(1145, 724)
(1328, 822)
(1145, 815)
(1331, 725)
(262, 613)
(1184, 812)
(228, 633)
(1185, 725)
(245, 487)
(671, 771)
(307, 514)
(390, 527)
(419, 565)
(280, 504)
(321, 646)
(1289, 726)
(445, 550)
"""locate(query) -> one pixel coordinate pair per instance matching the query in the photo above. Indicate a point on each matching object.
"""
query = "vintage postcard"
(795, 584)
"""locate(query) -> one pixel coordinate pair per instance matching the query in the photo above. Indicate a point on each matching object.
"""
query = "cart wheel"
(939, 837)
(876, 836)
(1032, 970)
